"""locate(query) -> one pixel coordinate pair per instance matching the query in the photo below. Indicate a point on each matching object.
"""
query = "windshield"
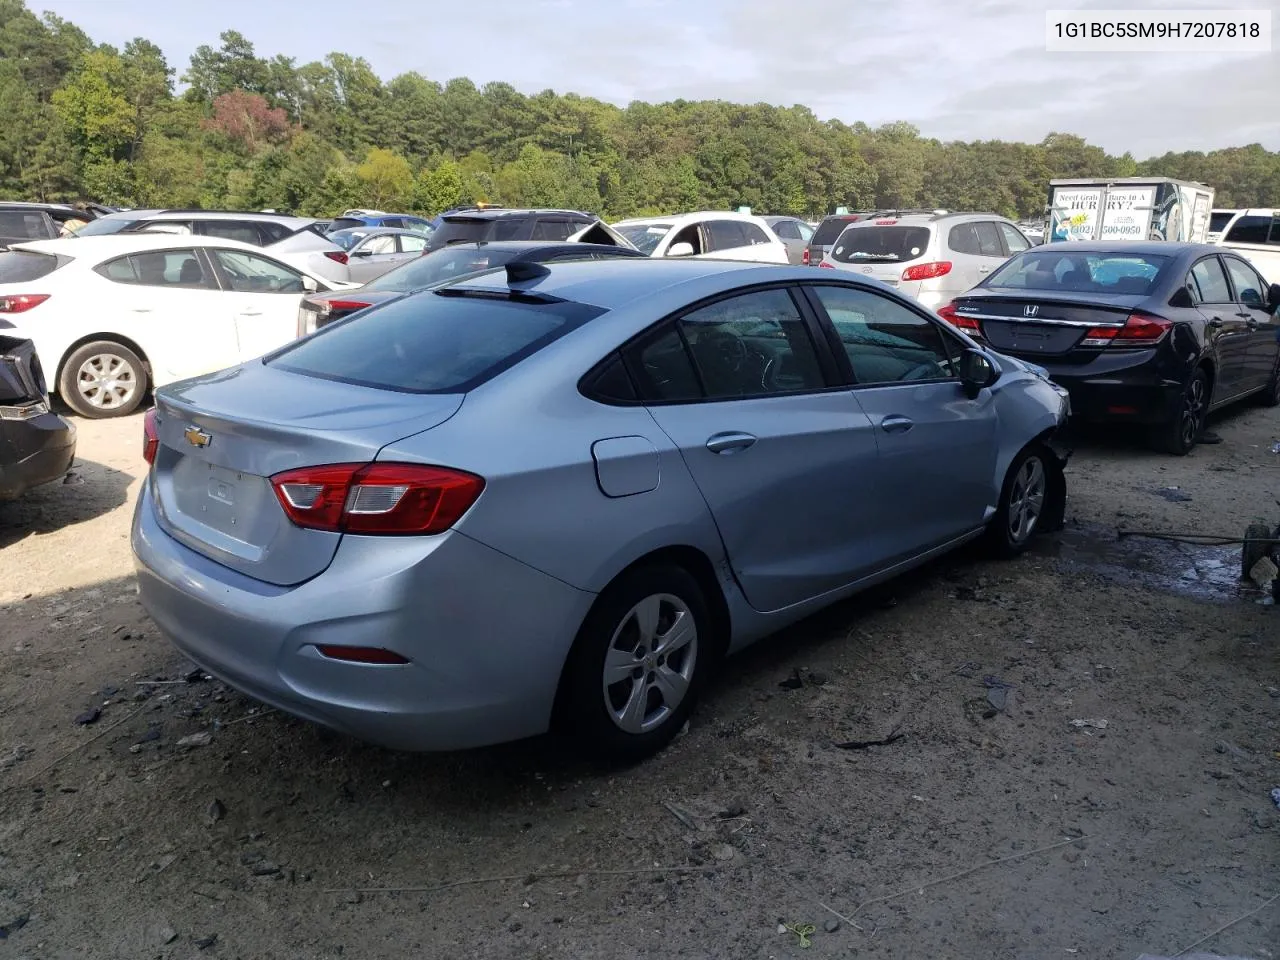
(881, 244)
(439, 267)
(347, 239)
(432, 342)
(105, 225)
(1218, 220)
(645, 237)
(1124, 274)
(829, 229)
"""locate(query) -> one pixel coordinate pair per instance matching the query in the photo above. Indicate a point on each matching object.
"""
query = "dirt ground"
(117, 841)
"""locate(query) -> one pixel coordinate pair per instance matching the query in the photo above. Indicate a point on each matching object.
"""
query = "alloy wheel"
(106, 381)
(1026, 499)
(650, 663)
(1193, 410)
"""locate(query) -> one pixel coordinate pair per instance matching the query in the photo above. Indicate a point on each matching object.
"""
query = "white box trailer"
(1128, 208)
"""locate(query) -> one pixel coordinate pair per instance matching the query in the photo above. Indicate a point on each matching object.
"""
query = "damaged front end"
(36, 445)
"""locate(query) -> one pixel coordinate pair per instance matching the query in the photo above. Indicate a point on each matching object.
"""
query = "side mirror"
(1273, 296)
(977, 372)
(681, 249)
(309, 284)
(362, 252)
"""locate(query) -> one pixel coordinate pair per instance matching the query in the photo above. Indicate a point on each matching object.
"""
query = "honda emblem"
(1030, 311)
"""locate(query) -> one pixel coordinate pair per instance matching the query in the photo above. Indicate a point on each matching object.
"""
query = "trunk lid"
(1035, 323)
(223, 435)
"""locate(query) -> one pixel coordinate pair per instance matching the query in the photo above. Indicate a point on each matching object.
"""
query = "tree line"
(87, 121)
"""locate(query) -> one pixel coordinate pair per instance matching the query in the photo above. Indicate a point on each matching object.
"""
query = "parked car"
(1156, 333)
(1255, 235)
(36, 445)
(794, 233)
(444, 266)
(1219, 217)
(372, 251)
(352, 219)
(23, 221)
(501, 223)
(932, 257)
(298, 241)
(557, 494)
(112, 315)
(713, 234)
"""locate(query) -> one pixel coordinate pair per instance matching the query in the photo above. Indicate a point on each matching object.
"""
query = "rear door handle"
(896, 424)
(730, 442)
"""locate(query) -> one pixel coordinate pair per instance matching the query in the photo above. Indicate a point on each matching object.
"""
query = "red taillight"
(968, 324)
(1139, 330)
(21, 302)
(150, 437)
(378, 498)
(828, 266)
(346, 305)
(339, 256)
(927, 271)
(804, 257)
(379, 655)
(885, 223)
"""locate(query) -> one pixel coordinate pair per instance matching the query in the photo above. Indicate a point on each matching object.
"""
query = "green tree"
(385, 179)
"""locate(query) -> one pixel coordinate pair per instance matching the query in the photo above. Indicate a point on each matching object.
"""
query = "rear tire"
(1024, 501)
(638, 664)
(1180, 434)
(103, 379)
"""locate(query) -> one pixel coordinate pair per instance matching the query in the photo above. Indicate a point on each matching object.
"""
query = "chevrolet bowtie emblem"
(197, 437)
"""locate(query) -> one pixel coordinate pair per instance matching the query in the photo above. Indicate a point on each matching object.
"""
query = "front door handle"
(730, 442)
(896, 424)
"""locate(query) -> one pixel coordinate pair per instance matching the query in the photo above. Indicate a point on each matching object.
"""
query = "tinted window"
(754, 234)
(829, 229)
(664, 369)
(553, 229)
(22, 266)
(786, 230)
(751, 345)
(988, 239)
(162, 268)
(236, 230)
(414, 243)
(441, 266)
(105, 225)
(1013, 239)
(250, 273)
(726, 234)
(1218, 221)
(25, 225)
(461, 230)
(345, 223)
(874, 244)
(275, 232)
(1249, 230)
(1207, 282)
(610, 383)
(433, 342)
(884, 340)
(963, 239)
(1248, 286)
(1041, 268)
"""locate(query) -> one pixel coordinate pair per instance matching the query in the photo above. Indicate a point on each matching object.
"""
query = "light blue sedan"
(555, 496)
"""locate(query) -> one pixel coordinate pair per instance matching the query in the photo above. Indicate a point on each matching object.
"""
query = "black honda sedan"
(1151, 333)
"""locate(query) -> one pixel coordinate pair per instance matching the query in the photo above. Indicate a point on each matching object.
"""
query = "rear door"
(788, 232)
(786, 465)
(1225, 328)
(1250, 293)
(969, 258)
(372, 257)
(936, 447)
(262, 297)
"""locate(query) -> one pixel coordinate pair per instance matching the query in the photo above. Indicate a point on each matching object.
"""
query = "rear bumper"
(1135, 387)
(34, 451)
(486, 635)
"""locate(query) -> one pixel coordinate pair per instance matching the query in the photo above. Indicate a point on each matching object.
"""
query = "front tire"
(103, 379)
(638, 664)
(1180, 434)
(1024, 501)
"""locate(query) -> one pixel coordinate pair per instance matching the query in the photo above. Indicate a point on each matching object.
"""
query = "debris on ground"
(204, 943)
(732, 812)
(801, 930)
(201, 739)
(1275, 797)
(1172, 494)
(1096, 724)
(215, 811)
(864, 744)
(13, 926)
(15, 756)
(998, 697)
(832, 925)
(723, 851)
(89, 716)
(792, 682)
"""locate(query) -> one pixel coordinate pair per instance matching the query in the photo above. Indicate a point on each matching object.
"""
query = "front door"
(263, 297)
(373, 257)
(785, 464)
(1261, 323)
(935, 474)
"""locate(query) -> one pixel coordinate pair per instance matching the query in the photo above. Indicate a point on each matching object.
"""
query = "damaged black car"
(36, 445)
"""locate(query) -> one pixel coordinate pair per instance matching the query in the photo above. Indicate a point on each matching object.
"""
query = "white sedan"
(711, 234)
(112, 316)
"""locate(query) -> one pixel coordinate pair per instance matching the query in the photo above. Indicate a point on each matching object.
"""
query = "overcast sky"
(957, 69)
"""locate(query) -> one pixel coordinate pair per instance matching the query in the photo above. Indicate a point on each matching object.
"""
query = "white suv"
(1254, 234)
(932, 257)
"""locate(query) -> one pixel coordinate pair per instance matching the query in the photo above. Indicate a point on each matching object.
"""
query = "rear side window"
(554, 230)
(1249, 230)
(786, 230)
(988, 240)
(23, 266)
(1218, 221)
(433, 342)
(875, 244)
(161, 268)
(1207, 282)
(829, 229)
(237, 230)
(962, 238)
(25, 225)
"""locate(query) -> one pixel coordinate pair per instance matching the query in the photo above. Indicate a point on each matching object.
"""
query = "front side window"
(250, 273)
(885, 341)
(988, 240)
(1250, 290)
(1249, 229)
(412, 243)
(382, 243)
(726, 235)
(1014, 239)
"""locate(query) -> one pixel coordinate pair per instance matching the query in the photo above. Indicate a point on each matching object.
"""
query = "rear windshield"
(829, 229)
(23, 266)
(24, 225)
(433, 342)
(439, 267)
(881, 244)
(463, 230)
(345, 223)
(1124, 274)
(1218, 221)
(105, 225)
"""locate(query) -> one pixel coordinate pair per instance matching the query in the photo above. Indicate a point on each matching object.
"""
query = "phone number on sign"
(1190, 29)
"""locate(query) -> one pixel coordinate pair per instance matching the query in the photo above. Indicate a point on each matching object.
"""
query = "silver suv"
(932, 257)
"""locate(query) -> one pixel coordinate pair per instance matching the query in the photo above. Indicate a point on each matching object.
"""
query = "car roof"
(372, 231)
(115, 244)
(498, 213)
(1161, 248)
(697, 215)
(614, 282)
(175, 214)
